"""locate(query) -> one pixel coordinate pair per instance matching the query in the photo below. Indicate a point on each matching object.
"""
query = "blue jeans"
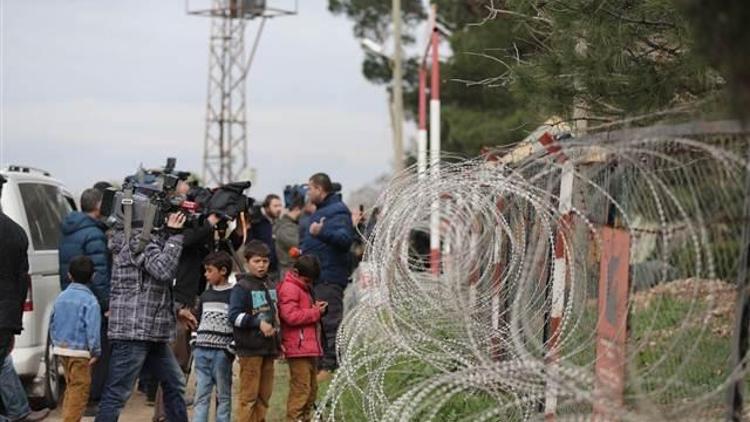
(126, 362)
(214, 367)
(12, 393)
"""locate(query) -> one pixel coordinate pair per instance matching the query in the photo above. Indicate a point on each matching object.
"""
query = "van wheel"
(54, 383)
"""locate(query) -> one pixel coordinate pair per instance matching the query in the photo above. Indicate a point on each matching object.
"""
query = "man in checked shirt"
(142, 319)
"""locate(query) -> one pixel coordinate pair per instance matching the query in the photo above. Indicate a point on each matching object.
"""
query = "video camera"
(151, 195)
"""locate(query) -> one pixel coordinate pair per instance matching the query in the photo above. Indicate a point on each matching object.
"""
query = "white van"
(38, 203)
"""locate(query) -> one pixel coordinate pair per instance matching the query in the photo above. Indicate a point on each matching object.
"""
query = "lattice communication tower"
(225, 157)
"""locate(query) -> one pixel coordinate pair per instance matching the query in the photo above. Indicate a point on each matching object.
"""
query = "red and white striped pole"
(422, 134)
(561, 270)
(435, 146)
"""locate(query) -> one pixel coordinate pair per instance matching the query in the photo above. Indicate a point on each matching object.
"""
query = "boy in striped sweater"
(213, 359)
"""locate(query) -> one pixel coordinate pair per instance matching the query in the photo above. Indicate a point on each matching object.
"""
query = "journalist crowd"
(160, 278)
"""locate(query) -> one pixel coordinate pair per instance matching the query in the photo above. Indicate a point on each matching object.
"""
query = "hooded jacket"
(331, 245)
(83, 235)
(251, 302)
(300, 331)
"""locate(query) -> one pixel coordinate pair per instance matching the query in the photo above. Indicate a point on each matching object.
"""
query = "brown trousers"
(303, 389)
(256, 386)
(78, 384)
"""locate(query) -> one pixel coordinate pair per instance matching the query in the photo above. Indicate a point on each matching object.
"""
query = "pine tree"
(517, 63)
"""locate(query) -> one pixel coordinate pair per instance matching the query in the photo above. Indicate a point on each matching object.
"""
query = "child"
(213, 360)
(252, 312)
(74, 329)
(300, 317)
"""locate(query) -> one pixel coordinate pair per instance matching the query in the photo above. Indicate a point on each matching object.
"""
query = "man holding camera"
(197, 242)
(142, 318)
(329, 237)
(190, 282)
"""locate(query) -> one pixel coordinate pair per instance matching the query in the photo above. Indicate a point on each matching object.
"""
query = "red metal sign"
(611, 330)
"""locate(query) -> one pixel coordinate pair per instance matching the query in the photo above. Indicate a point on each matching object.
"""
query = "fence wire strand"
(474, 344)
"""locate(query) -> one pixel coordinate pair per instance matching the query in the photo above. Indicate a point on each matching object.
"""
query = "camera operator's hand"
(316, 228)
(176, 221)
(213, 219)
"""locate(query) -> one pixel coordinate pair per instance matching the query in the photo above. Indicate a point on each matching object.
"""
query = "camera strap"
(127, 209)
(148, 225)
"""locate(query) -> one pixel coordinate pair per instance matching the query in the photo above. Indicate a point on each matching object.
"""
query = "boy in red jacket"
(300, 335)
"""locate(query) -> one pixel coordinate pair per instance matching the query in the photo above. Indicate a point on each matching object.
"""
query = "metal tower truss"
(225, 157)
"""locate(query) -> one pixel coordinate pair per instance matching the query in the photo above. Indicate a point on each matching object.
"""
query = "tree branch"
(642, 21)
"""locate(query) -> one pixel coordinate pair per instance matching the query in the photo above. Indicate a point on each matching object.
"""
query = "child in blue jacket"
(74, 329)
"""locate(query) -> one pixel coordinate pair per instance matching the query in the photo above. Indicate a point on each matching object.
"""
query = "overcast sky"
(92, 88)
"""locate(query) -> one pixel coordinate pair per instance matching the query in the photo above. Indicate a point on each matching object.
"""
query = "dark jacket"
(191, 282)
(263, 230)
(304, 225)
(14, 274)
(286, 236)
(332, 244)
(249, 304)
(83, 235)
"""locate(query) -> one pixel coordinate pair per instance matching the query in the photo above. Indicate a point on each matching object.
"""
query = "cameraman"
(142, 319)
(197, 242)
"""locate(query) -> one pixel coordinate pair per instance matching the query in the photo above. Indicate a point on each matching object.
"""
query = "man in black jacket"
(14, 285)
(262, 230)
(189, 284)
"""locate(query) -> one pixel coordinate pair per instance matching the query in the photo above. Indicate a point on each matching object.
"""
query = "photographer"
(142, 318)
(189, 284)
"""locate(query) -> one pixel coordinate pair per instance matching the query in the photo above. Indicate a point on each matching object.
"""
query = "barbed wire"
(474, 342)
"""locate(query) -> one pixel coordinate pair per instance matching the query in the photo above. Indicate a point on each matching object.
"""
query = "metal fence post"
(742, 316)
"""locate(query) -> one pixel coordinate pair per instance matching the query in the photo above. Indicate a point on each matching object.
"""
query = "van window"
(45, 209)
(71, 202)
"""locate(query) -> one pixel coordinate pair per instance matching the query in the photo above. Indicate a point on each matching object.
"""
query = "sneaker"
(91, 410)
(36, 415)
